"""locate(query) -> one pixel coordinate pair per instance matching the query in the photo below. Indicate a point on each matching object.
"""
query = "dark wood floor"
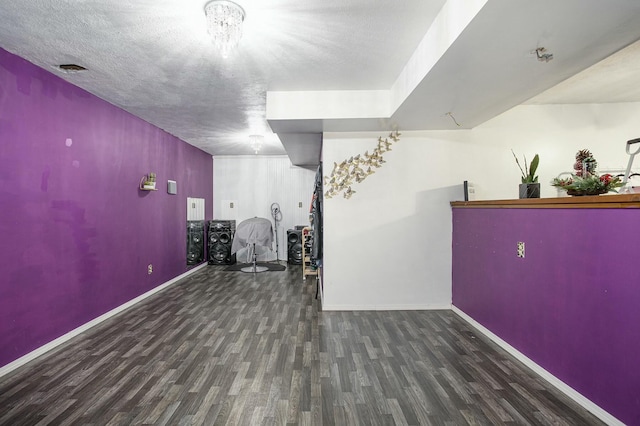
(243, 349)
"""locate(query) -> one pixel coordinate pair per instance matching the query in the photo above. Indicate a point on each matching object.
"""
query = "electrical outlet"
(300, 204)
(150, 269)
(520, 249)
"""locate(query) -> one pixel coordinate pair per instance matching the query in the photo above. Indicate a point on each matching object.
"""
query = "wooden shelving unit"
(307, 269)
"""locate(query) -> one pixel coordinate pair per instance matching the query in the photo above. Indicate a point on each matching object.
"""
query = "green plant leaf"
(534, 166)
(529, 177)
(519, 166)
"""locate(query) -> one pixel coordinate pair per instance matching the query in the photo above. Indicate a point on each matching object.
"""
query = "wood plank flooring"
(252, 349)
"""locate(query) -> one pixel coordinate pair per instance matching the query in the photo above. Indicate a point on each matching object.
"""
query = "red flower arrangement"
(586, 181)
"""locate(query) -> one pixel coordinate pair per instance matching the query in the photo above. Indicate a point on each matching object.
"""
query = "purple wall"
(76, 234)
(572, 304)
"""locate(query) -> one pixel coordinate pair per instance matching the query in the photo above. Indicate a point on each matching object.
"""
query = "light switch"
(172, 187)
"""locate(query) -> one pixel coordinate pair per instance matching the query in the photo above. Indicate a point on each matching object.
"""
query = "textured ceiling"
(155, 60)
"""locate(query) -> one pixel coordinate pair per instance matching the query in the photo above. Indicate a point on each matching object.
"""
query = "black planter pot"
(530, 190)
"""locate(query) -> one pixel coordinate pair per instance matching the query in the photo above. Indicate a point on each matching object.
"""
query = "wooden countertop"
(615, 201)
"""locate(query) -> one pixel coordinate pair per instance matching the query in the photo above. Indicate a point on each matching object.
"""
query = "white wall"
(389, 246)
(254, 183)
(556, 133)
(382, 248)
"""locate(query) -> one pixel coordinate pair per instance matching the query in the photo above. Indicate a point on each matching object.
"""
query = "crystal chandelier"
(224, 24)
(256, 142)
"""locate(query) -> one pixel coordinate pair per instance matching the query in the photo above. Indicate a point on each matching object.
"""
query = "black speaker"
(220, 237)
(195, 242)
(294, 247)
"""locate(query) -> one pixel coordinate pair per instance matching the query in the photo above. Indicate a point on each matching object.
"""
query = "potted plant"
(529, 186)
(150, 181)
(585, 180)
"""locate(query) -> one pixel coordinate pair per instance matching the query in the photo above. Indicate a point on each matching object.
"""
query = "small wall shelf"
(144, 187)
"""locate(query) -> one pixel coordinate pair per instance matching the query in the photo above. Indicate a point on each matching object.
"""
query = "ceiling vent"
(71, 68)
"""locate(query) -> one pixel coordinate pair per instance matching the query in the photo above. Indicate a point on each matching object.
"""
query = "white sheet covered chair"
(251, 233)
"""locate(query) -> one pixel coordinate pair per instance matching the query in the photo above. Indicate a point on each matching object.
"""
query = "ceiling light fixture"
(71, 68)
(256, 142)
(224, 24)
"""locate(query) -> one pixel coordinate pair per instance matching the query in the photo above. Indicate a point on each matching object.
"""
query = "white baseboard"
(410, 307)
(64, 338)
(553, 380)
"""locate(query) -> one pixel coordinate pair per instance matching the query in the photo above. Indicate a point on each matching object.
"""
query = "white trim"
(553, 380)
(73, 333)
(417, 307)
(320, 290)
(249, 157)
